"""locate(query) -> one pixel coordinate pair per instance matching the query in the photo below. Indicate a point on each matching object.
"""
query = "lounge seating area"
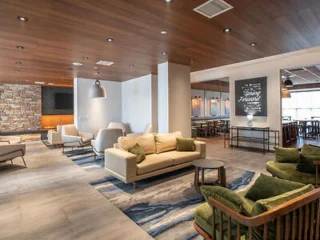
(160, 120)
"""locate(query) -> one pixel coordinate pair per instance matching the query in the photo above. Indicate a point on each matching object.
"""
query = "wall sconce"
(249, 120)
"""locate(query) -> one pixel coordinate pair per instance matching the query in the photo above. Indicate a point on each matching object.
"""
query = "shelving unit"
(256, 135)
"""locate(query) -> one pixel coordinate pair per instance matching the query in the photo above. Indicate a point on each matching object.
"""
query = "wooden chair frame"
(308, 224)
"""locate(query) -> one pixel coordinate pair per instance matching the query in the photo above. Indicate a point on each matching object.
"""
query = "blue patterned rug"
(163, 205)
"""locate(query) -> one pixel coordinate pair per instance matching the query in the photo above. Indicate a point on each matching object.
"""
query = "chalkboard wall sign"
(251, 97)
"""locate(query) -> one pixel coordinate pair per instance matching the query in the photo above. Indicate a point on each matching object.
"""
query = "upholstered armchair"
(118, 126)
(10, 151)
(147, 130)
(71, 137)
(105, 139)
(54, 137)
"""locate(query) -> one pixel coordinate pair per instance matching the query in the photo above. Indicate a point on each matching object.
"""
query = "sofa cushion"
(182, 157)
(287, 155)
(264, 205)
(138, 151)
(289, 172)
(185, 144)
(266, 187)
(145, 141)
(227, 197)
(167, 142)
(309, 153)
(154, 162)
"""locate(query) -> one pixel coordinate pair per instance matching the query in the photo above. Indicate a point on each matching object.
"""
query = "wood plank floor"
(51, 199)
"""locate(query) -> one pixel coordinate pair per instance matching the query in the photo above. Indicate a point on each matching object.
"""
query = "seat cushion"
(289, 172)
(167, 142)
(145, 141)
(264, 205)
(287, 155)
(86, 140)
(266, 187)
(309, 153)
(181, 157)
(154, 162)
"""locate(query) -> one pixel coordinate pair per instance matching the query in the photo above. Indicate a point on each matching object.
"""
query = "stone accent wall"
(20, 107)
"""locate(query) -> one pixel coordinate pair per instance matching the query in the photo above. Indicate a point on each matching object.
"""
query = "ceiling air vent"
(213, 8)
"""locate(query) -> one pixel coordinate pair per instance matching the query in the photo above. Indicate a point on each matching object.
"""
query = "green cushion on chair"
(309, 153)
(287, 155)
(289, 172)
(266, 187)
(264, 205)
(185, 144)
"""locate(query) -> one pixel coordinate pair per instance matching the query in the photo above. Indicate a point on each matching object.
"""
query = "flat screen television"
(63, 101)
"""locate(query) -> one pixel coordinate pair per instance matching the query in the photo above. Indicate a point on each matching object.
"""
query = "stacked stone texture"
(20, 107)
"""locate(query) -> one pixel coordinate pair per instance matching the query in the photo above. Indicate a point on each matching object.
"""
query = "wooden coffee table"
(203, 164)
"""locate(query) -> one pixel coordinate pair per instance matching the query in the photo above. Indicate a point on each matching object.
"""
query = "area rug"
(164, 205)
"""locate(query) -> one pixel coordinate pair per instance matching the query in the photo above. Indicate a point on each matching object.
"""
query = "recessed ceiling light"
(39, 82)
(22, 19)
(167, 1)
(104, 63)
(227, 30)
(86, 58)
(19, 63)
(20, 47)
(163, 32)
(131, 65)
(95, 67)
(253, 44)
(76, 64)
(164, 53)
(191, 60)
(109, 40)
(97, 73)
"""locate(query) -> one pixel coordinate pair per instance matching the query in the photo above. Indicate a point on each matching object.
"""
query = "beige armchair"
(55, 137)
(10, 151)
(105, 139)
(147, 130)
(118, 126)
(71, 137)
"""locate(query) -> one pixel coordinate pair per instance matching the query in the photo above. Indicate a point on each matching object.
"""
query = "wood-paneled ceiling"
(60, 32)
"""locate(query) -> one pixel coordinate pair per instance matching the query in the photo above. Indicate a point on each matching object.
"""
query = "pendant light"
(288, 82)
(285, 94)
(97, 91)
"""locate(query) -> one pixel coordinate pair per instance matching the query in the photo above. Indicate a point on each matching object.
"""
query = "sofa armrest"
(86, 135)
(201, 148)
(317, 163)
(121, 162)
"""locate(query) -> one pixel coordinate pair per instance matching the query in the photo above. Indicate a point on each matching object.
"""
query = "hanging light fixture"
(288, 82)
(97, 91)
(285, 93)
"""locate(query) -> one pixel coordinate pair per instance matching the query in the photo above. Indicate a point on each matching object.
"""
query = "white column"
(174, 96)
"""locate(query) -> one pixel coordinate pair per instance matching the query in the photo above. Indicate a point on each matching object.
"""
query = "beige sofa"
(161, 156)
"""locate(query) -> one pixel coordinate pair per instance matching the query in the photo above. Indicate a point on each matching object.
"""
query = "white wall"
(269, 67)
(139, 102)
(163, 98)
(94, 114)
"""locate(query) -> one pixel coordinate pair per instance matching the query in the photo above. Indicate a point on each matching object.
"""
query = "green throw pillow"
(185, 144)
(266, 187)
(138, 151)
(227, 197)
(287, 155)
(264, 205)
(309, 153)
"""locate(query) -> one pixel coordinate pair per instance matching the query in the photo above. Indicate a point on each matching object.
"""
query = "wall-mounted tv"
(63, 101)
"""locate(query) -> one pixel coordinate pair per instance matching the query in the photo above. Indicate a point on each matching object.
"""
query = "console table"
(257, 135)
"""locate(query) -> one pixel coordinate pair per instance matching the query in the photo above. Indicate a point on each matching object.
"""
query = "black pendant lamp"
(288, 82)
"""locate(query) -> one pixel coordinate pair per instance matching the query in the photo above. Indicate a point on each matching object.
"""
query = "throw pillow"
(266, 187)
(185, 144)
(264, 205)
(309, 153)
(287, 155)
(227, 197)
(138, 151)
